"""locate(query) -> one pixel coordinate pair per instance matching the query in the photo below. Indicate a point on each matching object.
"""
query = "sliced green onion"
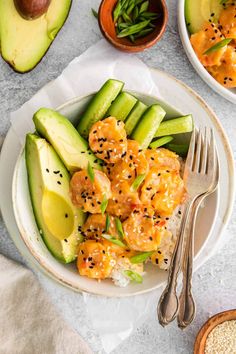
(218, 46)
(135, 13)
(150, 15)
(104, 204)
(90, 172)
(144, 6)
(180, 149)
(126, 18)
(114, 240)
(134, 276)
(137, 182)
(119, 228)
(117, 11)
(143, 32)
(162, 141)
(108, 222)
(94, 12)
(140, 258)
(133, 29)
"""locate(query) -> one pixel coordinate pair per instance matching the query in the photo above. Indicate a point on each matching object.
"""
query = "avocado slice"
(70, 146)
(198, 12)
(57, 218)
(23, 42)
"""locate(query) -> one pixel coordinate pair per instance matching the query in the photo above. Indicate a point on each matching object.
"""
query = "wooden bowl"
(107, 26)
(199, 346)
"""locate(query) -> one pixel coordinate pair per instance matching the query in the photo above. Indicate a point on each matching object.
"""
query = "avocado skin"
(35, 148)
(12, 64)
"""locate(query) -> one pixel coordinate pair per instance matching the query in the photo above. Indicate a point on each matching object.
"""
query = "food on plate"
(111, 201)
(49, 182)
(122, 106)
(133, 19)
(65, 139)
(25, 41)
(134, 117)
(213, 33)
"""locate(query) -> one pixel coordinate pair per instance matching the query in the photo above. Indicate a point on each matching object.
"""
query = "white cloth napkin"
(29, 323)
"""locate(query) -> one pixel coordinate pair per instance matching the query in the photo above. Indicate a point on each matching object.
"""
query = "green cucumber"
(122, 106)
(148, 125)
(175, 126)
(134, 116)
(180, 149)
(161, 141)
(99, 105)
(63, 136)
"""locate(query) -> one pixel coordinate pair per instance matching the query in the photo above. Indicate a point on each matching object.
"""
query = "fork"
(187, 306)
(198, 177)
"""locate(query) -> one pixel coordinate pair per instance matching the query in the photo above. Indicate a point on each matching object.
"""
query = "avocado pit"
(32, 9)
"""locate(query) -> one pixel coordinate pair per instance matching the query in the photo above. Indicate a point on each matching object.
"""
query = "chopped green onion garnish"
(218, 46)
(90, 172)
(134, 276)
(113, 240)
(108, 222)
(137, 182)
(104, 204)
(119, 228)
(162, 141)
(144, 6)
(133, 29)
(140, 258)
(94, 12)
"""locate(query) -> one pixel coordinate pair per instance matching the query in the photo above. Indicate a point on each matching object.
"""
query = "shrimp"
(88, 195)
(142, 233)
(123, 200)
(225, 74)
(205, 39)
(132, 164)
(227, 21)
(162, 157)
(95, 226)
(107, 139)
(94, 261)
(163, 190)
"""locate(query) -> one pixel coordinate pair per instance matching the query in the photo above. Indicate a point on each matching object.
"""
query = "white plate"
(185, 101)
(229, 94)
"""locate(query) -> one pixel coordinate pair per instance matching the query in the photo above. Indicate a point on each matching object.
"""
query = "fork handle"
(168, 303)
(187, 307)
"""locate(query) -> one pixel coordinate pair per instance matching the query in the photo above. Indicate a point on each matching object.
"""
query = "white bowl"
(229, 94)
(67, 274)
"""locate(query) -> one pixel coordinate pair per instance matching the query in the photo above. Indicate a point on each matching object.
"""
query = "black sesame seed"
(47, 169)
(159, 252)
(56, 172)
(150, 238)
(65, 240)
(157, 260)
(90, 258)
(91, 267)
(58, 182)
(95, 131)
(152, 158)
(66, 215)
(103, 252)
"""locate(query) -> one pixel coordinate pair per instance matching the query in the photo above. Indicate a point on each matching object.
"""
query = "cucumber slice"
(134, 116)
(99, 105)
(162, 141)
(148, 125)
(180, 149)
(175, 126)
(63, 136)
(122, 106)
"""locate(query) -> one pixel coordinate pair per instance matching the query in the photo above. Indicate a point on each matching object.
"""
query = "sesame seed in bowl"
(217, 335)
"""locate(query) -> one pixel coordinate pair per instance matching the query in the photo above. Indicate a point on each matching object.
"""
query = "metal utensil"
(198, 177)
(187, 306)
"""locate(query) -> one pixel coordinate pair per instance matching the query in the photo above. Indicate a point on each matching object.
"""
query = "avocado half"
(58, 220)
(23, 42)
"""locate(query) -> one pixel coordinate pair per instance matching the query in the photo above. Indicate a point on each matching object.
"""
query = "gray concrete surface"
(215, 282)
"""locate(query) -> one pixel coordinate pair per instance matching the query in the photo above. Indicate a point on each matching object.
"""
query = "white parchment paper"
(113, 319)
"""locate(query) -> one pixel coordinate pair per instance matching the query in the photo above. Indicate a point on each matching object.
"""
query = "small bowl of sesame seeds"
(213, 57)
(218, 334)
